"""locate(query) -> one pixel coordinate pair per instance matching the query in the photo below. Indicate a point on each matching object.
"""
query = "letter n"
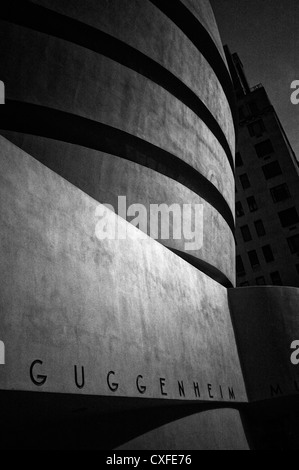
(181, 388)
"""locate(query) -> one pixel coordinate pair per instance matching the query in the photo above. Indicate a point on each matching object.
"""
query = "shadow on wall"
(73, 422)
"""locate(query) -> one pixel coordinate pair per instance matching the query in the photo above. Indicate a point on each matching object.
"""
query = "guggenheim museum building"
(116, 110)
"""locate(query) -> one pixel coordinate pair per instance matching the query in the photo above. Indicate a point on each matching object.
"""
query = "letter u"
(81, 385)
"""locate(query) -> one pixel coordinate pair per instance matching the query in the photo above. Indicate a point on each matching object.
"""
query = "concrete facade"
(76, 336)
(120, 96)
(130, 343)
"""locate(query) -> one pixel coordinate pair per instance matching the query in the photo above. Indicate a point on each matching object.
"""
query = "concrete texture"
(129, 308)
(142, 322)
(141, 28)
(61, 74)
(105, 177)
(76, 80)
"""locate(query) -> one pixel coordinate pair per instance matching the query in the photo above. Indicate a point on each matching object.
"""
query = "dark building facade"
(267, 191)
(129, 342)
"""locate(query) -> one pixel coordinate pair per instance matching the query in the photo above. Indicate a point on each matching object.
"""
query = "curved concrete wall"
(224, 431)
(102, 330)
(105, 177)
(203, 12)
(141, 321)
(141, 28)
(129, 68)
(106, 91)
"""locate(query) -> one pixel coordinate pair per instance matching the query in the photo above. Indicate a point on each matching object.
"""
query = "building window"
(260, 281)
(239, 161)
(280, 193)
(259, 227)
(293, 243)
(264, 148)
(252, 205)
(253, 258)
(244, 181)
(243, 284)
(248, 110)
(257, 128)
(276, 279)
(268, 253)
(246, 233)
(288, 217)
(243, 112)
(239, 266)
(239, 209)
(271, 170)
(253, 107)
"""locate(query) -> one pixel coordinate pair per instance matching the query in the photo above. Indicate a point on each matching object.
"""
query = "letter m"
(231, 393)
(275, 391)
(2, 353)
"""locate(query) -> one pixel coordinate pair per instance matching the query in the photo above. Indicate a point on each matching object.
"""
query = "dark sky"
(265, 34)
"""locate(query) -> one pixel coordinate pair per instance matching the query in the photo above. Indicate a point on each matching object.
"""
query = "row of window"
(253, 259)
(248, 110)
(263, 149)
(259, 228)
(256, 128)
(252, 206)
(275, 276)
(270, 171)
(293, 243)
(261, 281)
(287, 217)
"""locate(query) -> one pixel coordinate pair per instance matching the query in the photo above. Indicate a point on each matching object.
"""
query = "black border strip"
(179, 14)
(49, 22)
(48, 122)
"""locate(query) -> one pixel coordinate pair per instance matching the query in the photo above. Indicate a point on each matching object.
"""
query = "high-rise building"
(267, 190)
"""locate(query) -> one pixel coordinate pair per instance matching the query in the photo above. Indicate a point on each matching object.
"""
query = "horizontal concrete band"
(105, 177)
(195, 31)
(203, 11)
(59, 125)
(64, 27)
(44, 72)
(147, 29)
